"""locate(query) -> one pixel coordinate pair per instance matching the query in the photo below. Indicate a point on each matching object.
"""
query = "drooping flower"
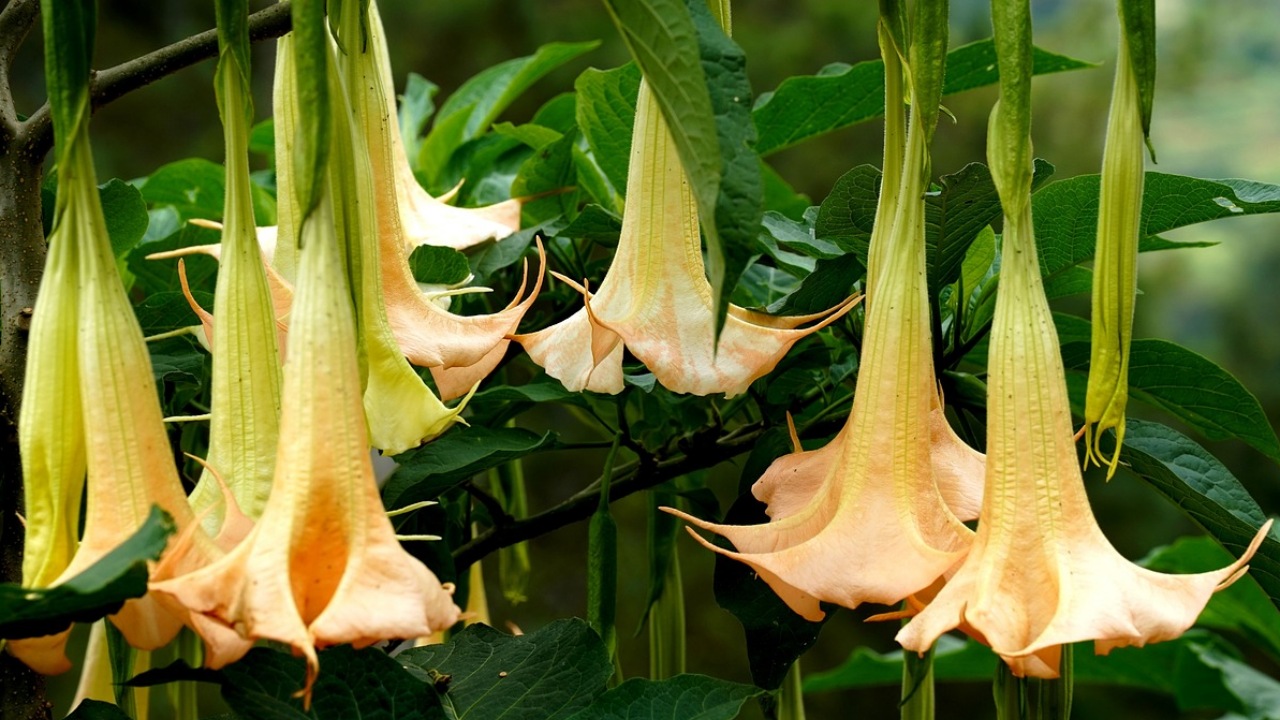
(655, 299)
(1041, 573)
(427, 220)
(864, 519)
(129, 460)
(245, 408)
(322, 566)
(1115, 266)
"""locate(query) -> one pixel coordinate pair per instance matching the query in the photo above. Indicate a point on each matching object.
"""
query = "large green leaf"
(841, 95)
(698, 77)
(264, 685)
(683, 697)
(606, 114)
(1243, 609)
(417, 105)
(97, 710)
(1198, 670)
(1066, 212)
(549, 674)
(195, 187)
(1193, 388)
(125, 213)
(1206, 491)
(429, 470)
(469, 111)
(94, 593)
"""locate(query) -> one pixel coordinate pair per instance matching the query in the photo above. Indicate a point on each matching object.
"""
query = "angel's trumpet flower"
(244, 414)
(428, 220)
(322, 566)
(655, 299)
(1041, 574)
(50, 432)
(864, 519)
(1115, 267)
(130, 463)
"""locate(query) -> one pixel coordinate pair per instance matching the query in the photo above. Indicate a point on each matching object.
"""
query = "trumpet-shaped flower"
(245, 408)
(427, 220)
(655, 299)
(1041, 574)
(322, 566)
(864, 519)
(130, 463)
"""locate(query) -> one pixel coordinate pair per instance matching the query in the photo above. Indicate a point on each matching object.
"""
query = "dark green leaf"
(493, 406)
(436, 265)
(841, 95)
(309, 43)
(550, 674)
(548, 171)
(776, 636)
(1138, 23)
(262, 140)
(1243, 608)
(779, 196)
(1198, 670)
(606, 113)
(594, 224)
(848, 212)
(177, 360)
(1192, 388)
(429, 470)
(96, 592)
(559, 113)
(417, 105)
(830, 283)
(126, 215)
(1205, 490)
(683, 697)
(97, 710)
(156, 276)
(469, 111)
(1066, 212)
(509, 250)
(194, 187)
(168, 310)
(1072, 281)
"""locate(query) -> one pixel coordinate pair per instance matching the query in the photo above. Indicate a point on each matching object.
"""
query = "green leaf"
(194, 187)
(606, 114)
(775, 635)
(1066, 212)
(93, 594)
(309, 43)
(1206, 491)
(531, 134)
(550, 674)
(1243, 609)
(493, 406)
(698, 78)
(1198, 670)
(683, 697)
(830, 282)
(429, 470)
(155, 276)
(262, 140)
(97, 710)
(417, 105)
(1138, 23)
(434, 265)
(549, 170)
(469, 111)
(841, 95)
(594, 224)
(1192, 388)
(264, 685)
(847, 213)
(1072, 281)
(126, 215)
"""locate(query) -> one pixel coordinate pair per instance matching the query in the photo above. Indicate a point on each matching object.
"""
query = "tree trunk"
(22, 255)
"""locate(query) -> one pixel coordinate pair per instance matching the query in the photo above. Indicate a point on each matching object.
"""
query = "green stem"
(791, 695)
(1010, 694)
(667, 625)
(917, 686)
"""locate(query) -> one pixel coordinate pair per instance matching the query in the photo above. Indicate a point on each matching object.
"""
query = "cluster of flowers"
(284, 537)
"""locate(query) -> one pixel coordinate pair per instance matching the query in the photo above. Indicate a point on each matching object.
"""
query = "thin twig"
(627, 479)
(497, 513)
(122, 79)
(16, 21)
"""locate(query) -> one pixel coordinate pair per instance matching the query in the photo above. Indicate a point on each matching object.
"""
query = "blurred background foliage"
(1218, 80)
